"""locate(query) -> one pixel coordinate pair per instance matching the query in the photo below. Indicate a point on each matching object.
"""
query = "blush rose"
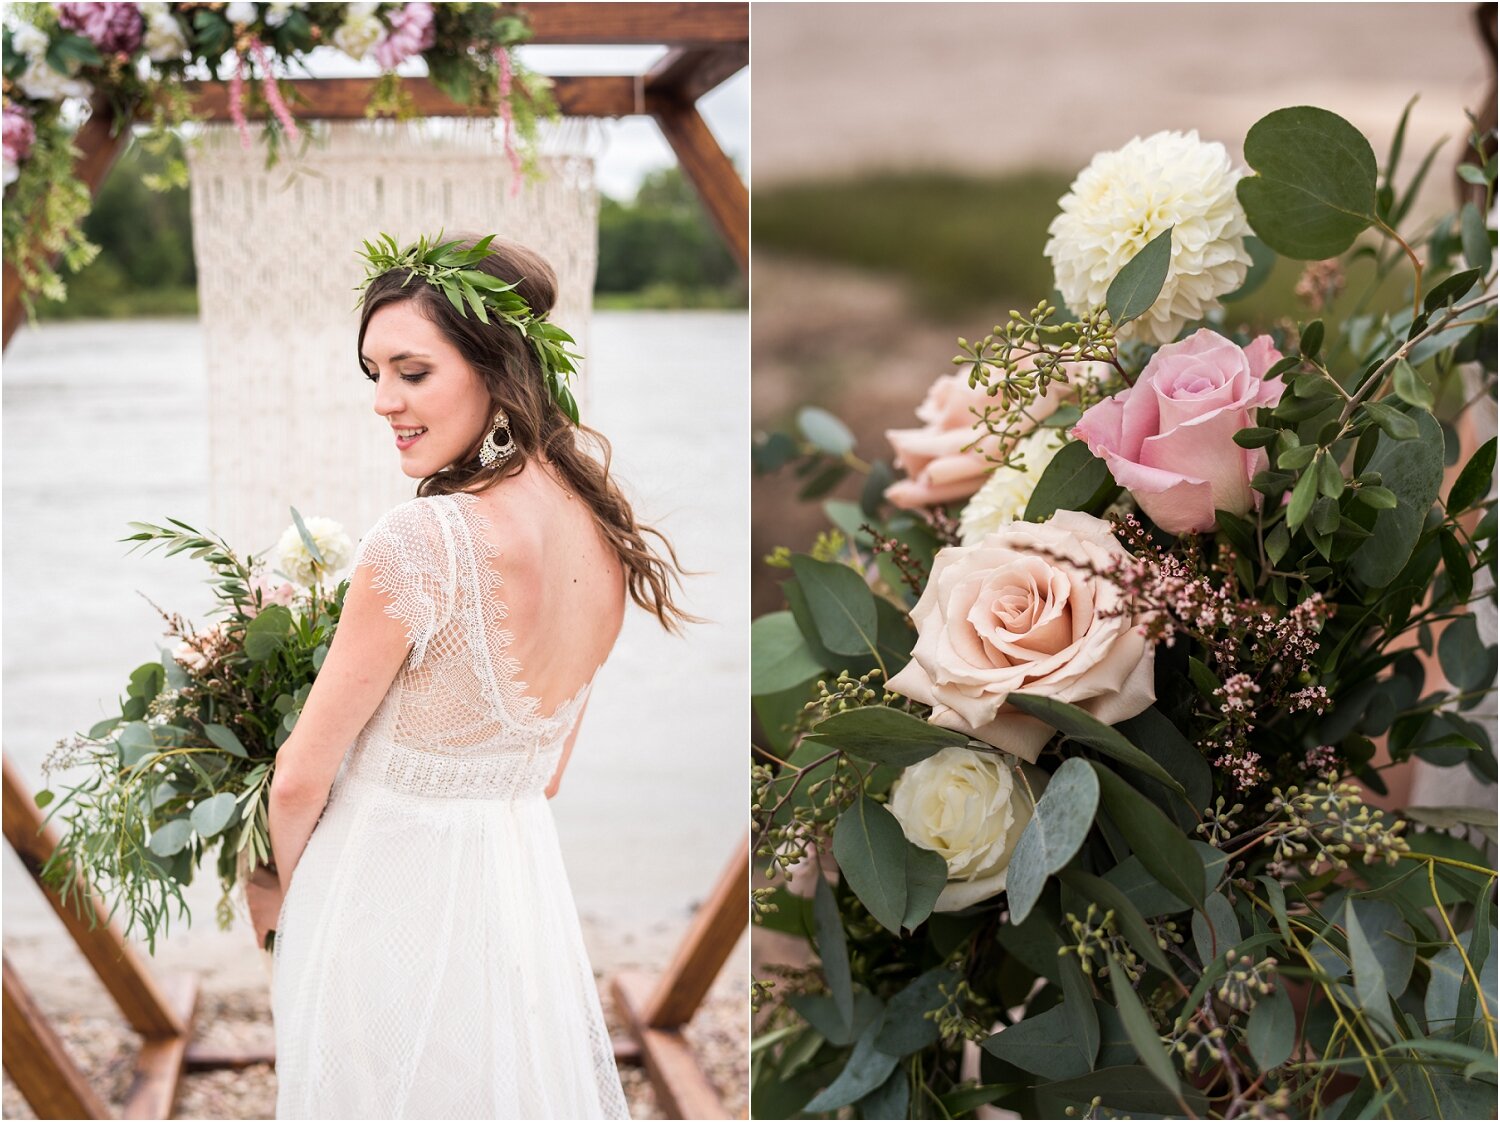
(939, 465)
(1169, 439)
(1027, 610)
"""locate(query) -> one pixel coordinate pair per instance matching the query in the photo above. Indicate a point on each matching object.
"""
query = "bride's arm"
(562, 763)
(368, 649)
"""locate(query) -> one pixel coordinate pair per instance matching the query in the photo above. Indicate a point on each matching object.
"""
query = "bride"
(429, 961)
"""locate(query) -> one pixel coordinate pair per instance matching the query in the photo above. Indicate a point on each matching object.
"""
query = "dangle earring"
(498, 444)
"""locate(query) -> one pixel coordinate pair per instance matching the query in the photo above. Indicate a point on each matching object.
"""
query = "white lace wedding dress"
(428, 957)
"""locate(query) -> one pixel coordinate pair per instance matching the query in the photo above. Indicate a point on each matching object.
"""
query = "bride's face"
(435, 403)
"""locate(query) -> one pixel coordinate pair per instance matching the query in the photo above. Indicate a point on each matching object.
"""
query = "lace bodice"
(458, 721)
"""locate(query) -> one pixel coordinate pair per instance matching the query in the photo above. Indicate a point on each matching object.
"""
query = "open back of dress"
(429, 961)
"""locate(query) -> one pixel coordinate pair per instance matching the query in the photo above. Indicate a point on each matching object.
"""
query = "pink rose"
(1026, 611)
(113, 28)
(1169, 439)
(410, 33)
(281, 593)
(938, 468)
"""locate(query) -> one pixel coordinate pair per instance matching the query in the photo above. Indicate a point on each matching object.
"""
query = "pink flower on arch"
(113, 28)
(410, 33)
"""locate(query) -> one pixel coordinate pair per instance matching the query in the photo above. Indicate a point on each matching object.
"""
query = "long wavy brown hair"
(503, 358)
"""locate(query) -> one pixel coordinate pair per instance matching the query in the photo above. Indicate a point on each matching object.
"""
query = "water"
(104, 423)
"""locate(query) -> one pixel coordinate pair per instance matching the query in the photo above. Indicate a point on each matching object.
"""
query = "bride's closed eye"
(412, 378)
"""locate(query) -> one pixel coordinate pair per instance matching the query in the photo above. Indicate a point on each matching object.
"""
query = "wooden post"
(143, 1003)
(716, 928)
(36, 1059)
(724, 194)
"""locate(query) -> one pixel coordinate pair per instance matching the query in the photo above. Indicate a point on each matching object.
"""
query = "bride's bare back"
(562, 584)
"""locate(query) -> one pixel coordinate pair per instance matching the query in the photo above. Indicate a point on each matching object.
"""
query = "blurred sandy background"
(908, 158)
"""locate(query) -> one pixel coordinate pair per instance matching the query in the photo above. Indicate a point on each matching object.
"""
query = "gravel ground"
(104, 1047)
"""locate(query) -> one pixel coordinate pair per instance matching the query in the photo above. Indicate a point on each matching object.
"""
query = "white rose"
(41, 83)
(358, 34)
(969, 809)
(240, 12)
(1025, 610)
(298, 564)
(1006, 492)
(29, 40)
(164, 39)
(11, 171)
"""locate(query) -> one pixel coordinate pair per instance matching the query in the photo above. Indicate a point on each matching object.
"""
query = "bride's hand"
(263, 893)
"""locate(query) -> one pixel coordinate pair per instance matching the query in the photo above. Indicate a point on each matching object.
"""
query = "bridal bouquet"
(1072, 740)
(185, 768)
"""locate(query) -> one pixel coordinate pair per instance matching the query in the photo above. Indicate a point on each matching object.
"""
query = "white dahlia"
(1006, 492)
(297, 562)
(1125, 198)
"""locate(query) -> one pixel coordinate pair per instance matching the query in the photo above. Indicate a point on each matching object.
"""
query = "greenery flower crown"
(443, 265)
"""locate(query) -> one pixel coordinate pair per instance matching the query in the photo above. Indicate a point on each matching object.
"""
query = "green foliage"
(185, 768)
(1314, 190)
(1204, 916)
(661, 249)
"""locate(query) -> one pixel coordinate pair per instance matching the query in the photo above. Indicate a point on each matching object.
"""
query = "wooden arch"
(707, 43)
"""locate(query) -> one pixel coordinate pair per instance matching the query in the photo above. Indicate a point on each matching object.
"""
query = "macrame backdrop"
(290, 414)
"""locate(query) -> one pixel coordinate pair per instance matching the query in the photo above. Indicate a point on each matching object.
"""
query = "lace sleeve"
(410, 557)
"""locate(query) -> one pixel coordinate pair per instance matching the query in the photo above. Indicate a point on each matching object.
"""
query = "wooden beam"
(688, 73)
(99, 151)
(670, 24)
(201, 1057)
(724, 194)
(158, 1068)
(682, 1089)
(143, 1003)
(39, 1063)
(344, 99)
(717, 926)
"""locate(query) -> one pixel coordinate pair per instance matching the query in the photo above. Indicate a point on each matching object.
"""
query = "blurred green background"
(656, 250)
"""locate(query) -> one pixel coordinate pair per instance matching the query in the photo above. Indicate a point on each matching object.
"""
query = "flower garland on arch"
(136, 58)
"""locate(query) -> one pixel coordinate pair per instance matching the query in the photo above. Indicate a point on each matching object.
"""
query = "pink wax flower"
(113, 28)
(1169, 439)
(410, 33)
(19, 134)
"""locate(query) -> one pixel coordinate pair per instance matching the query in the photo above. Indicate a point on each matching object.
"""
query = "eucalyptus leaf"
(1139, 1028)
(1062, 819)
(833, 949)
(212, 815)
(1085, 728)
(1271, 1031)
(1413, 471)
(1042, 1044)
(885, 736)
(907, 1029)
(1474, 482)
(1127, 1090)
(171, 837)
(1138, 284)
(1314, 187)
(871, 851)
(841, 604)
(867, 1068)
(1154, 838)
(824, 431)
(223, 737)
(1073, 479)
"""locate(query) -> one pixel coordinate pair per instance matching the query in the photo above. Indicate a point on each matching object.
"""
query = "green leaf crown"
(443, 265)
